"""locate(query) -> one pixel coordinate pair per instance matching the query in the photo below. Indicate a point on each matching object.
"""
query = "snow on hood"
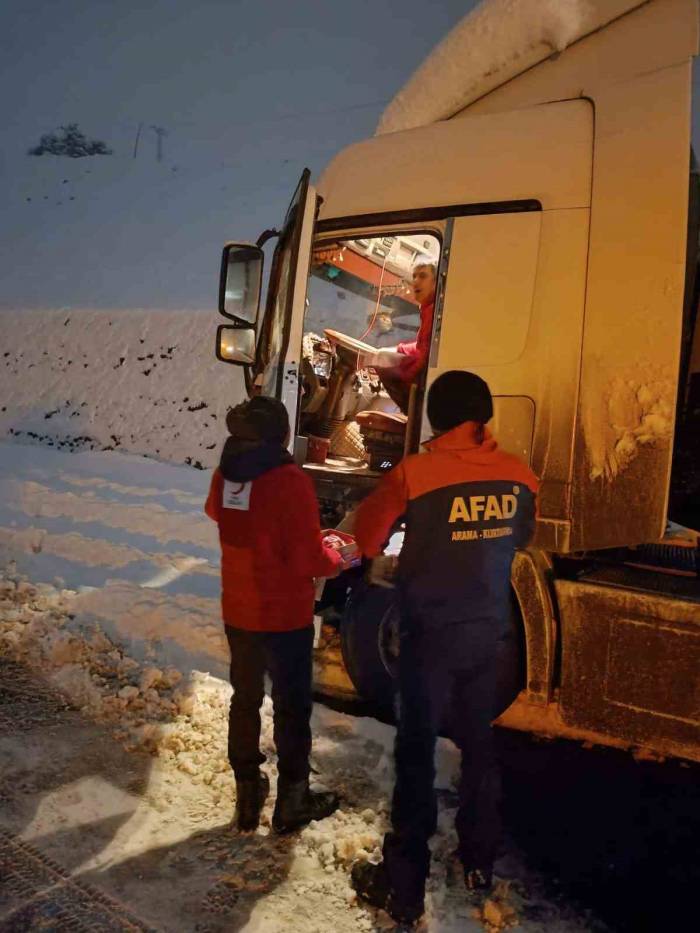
(495, 42)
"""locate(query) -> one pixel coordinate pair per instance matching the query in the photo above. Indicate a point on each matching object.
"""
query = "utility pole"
(160, 133)
(138, 137)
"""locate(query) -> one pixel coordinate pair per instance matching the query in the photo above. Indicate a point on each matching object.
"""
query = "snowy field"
(110, 590)
(126, 539)
(145, 382)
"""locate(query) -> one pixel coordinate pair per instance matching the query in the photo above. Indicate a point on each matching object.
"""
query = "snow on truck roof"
(495, 42)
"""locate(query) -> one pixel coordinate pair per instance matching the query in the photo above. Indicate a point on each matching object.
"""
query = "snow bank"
(152, 709)
(298, 882)
(141, 381)
(128, 537)
(495, 42)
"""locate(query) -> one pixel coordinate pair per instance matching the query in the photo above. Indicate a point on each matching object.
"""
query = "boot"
(372, 885)
(250, 797)
(297, 805)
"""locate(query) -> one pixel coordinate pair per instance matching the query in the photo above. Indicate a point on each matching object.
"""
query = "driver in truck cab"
(467, 506)
(399, 367)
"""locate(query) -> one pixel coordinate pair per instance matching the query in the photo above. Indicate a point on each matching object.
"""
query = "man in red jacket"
(271, 551)
(400, 367)
(467, 506)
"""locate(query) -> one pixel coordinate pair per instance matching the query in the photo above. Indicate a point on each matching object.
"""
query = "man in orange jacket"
(467, 506)
(271, 551)
(400, 367)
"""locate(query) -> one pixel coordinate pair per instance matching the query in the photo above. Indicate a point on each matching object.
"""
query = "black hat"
(260, 419)
(457, 396)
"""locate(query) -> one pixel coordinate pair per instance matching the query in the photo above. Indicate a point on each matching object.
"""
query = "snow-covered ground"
(140, 381)
(300, 883)
(126, 537)
(110, 590)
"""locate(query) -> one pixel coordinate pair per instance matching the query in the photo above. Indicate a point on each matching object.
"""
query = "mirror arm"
(248, 379)
(265, 236)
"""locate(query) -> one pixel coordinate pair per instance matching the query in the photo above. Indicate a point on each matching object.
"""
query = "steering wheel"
(348, 343)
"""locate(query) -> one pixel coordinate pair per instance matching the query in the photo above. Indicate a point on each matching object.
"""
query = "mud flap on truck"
(629, 665)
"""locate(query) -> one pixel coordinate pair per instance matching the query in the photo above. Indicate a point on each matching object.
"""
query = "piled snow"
(299, 882)
(492, 44)
(183, 721)
(127, 537)
(142, 381)
(624, 414)
(153, 709)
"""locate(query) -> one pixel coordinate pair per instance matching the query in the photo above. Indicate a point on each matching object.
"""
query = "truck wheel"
(512, 661)
(369, 643)
(368, 638)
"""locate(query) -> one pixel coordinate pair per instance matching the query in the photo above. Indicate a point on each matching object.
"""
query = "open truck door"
(278, 352)
(272, 363)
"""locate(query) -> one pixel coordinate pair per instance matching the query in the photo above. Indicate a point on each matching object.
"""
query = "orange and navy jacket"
(467, 506)
(271, 549)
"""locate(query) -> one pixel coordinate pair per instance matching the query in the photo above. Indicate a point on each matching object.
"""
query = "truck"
(544, 166)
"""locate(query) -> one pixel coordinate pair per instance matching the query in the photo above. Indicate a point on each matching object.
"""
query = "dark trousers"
(287, 658)
(448, 676)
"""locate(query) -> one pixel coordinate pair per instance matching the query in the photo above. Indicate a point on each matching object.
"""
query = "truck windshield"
(273, 331)
(363, 288)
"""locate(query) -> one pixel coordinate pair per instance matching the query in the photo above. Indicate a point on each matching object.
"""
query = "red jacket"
(271, 549)
(467, 507)
(417, 351)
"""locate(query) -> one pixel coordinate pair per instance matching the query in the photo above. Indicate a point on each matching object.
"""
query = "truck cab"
(556, 197)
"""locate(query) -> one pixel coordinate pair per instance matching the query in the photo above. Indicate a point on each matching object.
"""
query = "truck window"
(273, 333)
(366, 332)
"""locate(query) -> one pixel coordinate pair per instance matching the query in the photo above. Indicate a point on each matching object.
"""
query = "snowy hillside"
(143, 382)
(117, 232)
(127, 537)
(211, 112)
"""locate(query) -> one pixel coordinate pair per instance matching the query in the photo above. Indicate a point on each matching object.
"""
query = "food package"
(340, 541)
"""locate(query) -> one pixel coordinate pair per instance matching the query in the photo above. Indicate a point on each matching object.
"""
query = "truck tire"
(512, 665)
(367, 632)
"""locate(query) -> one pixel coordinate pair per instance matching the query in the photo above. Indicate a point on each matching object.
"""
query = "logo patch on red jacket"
(236, 495)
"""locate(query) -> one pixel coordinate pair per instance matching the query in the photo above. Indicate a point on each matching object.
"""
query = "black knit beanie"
(458, 396)
(262, 418)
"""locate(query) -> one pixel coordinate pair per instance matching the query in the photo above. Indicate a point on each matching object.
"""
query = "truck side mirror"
(240, 282)
(235, 344)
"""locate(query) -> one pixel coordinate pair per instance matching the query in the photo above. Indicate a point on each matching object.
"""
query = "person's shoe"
(250, 797)
(298, 805)
(371, 882)
(478, 880)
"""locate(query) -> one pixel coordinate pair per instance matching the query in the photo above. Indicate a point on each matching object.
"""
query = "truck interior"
(360, 300)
